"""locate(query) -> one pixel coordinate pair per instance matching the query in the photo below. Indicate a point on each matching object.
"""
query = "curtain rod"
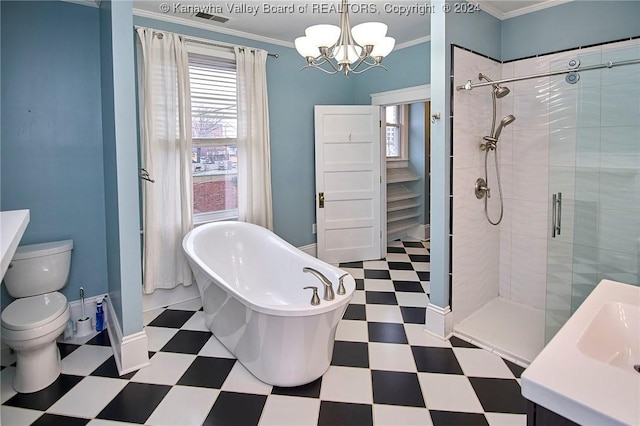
(214, 43)
(228, 46)
(609, 64)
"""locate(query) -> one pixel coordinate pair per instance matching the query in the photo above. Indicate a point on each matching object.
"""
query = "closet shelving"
(402, 200)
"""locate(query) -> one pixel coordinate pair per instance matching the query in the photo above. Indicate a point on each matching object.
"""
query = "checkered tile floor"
(385, 370)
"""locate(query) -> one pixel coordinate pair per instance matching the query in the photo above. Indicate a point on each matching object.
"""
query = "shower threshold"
(511, 330)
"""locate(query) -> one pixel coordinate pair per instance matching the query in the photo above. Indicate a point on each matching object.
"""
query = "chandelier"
(334, 49)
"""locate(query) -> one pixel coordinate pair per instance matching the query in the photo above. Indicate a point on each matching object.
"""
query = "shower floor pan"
(509, 329)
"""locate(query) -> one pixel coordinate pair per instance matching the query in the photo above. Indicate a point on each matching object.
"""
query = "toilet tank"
(39, 268)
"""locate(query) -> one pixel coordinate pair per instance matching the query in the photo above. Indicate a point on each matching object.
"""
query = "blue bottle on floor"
(99, 315)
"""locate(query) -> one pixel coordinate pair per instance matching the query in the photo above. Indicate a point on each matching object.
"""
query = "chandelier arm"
(319, 68)
(331, 64)
(319, 61)
(326, 53)
(318, 64)
(369, 67)
(363, 60)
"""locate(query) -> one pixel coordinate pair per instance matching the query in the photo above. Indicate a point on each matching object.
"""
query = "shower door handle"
(556, 214)
(559, 218)
(553, 215)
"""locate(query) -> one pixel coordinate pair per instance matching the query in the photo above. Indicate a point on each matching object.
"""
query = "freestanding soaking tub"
(251, 283)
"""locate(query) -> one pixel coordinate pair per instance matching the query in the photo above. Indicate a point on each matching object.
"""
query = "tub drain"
(637, 367)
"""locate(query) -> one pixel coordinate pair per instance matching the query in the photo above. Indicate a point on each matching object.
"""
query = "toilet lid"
(34, 311)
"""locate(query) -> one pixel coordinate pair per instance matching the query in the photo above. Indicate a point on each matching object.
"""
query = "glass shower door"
(594, 181)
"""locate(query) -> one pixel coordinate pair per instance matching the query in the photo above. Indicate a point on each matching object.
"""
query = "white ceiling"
(504, 9)
(251, 20)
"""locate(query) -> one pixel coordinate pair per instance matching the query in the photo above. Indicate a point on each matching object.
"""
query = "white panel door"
(348, 183)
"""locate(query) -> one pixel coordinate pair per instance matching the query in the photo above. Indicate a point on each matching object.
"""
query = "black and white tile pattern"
(385, 371)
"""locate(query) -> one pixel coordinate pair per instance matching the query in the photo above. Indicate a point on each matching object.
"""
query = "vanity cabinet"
(403, 202)
(537, 415)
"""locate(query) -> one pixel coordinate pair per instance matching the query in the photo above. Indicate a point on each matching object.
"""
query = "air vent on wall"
(210, 17)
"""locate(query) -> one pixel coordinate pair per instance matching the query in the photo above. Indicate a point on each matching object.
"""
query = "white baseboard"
(75, 307)
(439, 321)
(310, 249)
(130, 352)
(396, 236)
(421, 232)
(164, 297)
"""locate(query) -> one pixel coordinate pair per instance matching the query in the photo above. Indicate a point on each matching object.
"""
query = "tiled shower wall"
(516, 249)
(524, 151)
(537, 155)
(476, 243)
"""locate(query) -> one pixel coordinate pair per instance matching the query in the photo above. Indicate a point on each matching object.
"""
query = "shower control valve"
(481, 189)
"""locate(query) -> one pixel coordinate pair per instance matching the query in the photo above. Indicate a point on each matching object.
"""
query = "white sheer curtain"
(165, 121)
(254, 165)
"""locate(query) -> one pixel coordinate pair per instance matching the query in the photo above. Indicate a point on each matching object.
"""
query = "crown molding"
(412, 42)
(491, 10)
(204, 26)
(90, 3)
(522, 11)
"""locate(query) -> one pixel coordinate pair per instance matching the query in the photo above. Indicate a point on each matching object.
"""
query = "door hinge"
(321, 200)
(380, 178)
(380, 234)
(380, 123)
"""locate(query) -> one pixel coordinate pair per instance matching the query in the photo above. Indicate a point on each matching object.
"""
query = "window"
(214, 117)
(396, 131)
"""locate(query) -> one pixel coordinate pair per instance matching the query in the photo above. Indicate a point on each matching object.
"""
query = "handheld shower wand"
(493, 139)
(503, 123)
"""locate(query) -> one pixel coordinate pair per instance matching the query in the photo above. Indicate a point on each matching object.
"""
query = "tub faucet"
(328, 288)
(315, 300)
(341, 289)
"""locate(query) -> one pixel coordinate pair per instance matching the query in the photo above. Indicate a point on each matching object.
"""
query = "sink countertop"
(577, 386)
(12, 226)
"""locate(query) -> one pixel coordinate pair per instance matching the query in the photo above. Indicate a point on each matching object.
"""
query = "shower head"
(498, 91)
(503, 123)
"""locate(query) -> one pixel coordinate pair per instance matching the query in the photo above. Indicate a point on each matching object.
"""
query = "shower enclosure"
(570, 173)
(594, 179)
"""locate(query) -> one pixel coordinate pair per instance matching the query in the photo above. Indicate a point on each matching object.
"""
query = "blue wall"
(477, 31)
(119, 123)
(292, 96)
(418, 156)
(407, 67)
(567, 26)
(52, 132)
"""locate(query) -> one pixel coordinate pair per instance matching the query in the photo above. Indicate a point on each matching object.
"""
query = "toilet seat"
(35, 315)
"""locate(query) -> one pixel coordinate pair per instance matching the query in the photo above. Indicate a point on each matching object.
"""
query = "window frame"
(229, 214)
(403, 129)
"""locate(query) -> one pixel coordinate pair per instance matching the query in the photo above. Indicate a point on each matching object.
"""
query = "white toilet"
(32, 323)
